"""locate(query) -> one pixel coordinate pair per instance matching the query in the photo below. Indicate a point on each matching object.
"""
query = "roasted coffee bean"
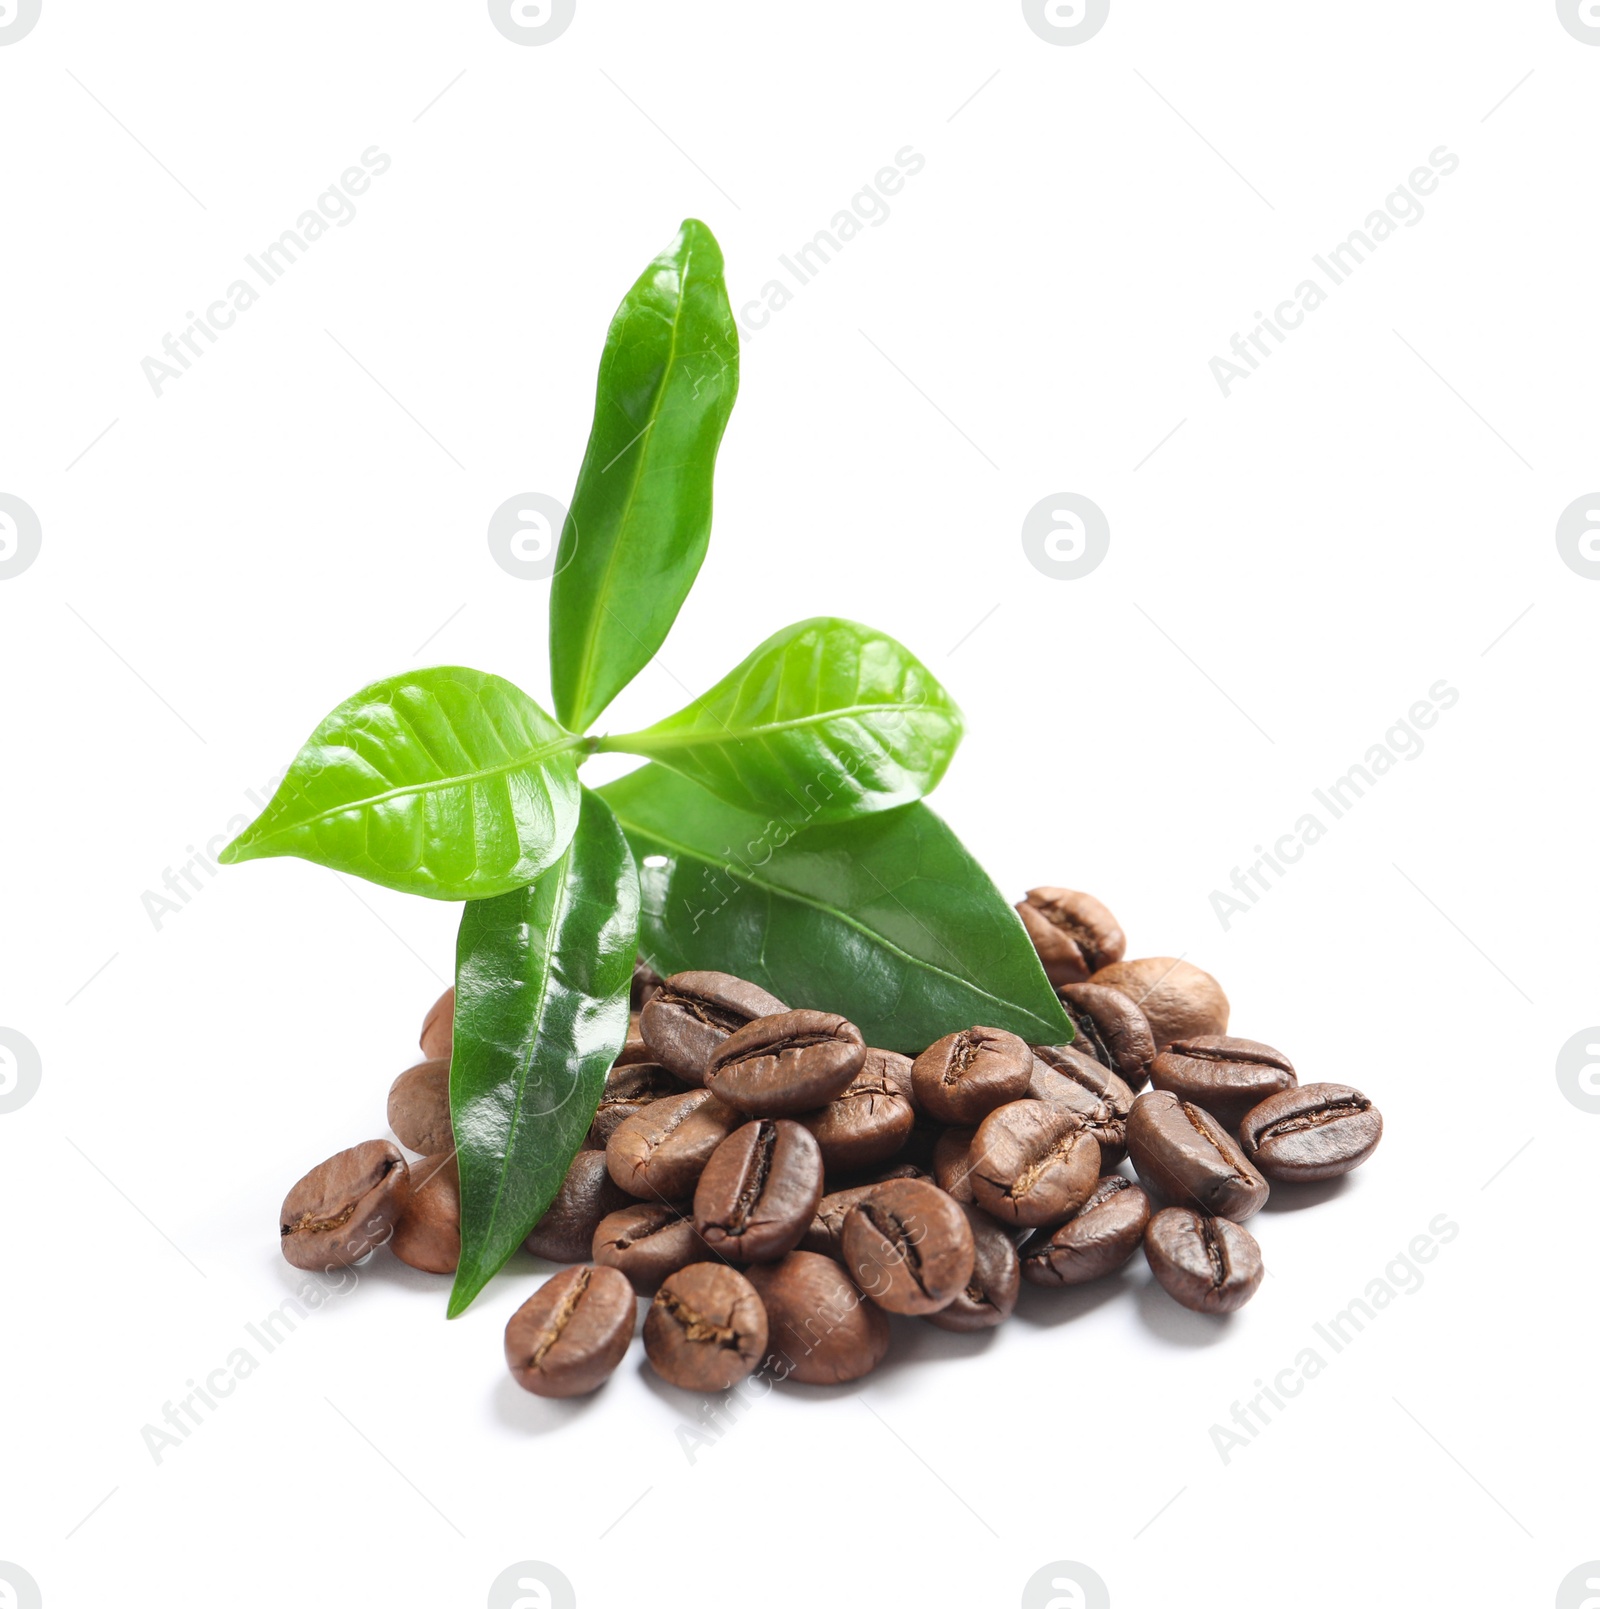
(428, 1235)
(630, 1087)
(438, 1027)
(908, 1246)
(828, 1225)
(707, 1328)
(690, 1015)
(1317, 1131)
(648, 1241)
(871, 1120)
(821, 1330)
(759, 1191)
(1178, 1000)
(1190, 1159)
(344, 1207)
(1064, 1075)
(419, 1107)
(568, 1336)
(1074, 933)
(952, 1163)
(965, 1076)
(1209, 1265)
(990, 1294)
(646, 983)
(1226, 1076)
(921, 1142)
(634, 1050)
(1096, 1240)
(1112, 1029)
(588, 1193)
(1033, 1163)
(658, 1153)
(793, 1061)
(882, 1174)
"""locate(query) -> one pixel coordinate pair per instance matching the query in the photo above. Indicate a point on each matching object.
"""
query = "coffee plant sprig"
(779, 827)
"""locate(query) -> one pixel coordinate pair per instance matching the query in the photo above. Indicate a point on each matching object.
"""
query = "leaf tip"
(469, 1282)
(238, 851)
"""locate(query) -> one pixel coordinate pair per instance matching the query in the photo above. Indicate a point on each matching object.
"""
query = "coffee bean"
(706, 1328)
(1190, 1159)
(648, 1241)
(793, 1061)
(1074, 933)
(634, 1050)
(565, 1234)
(629, 1088)
(659, 1152)
(1226, 1076)
(646, 983)
(1112, 1029)
(871, 1120)
(428, 1235)
(344, 1207)
(990, 1294)
(1209, 1265)
(921, 1141)
(1317, 1131)
(1063, 1075)
(964, 1076)
(908, 1246)
(821, 1330)
(1178, 1000)
(952, 1163)
(568, 1337)
(438, 1027)
(759, 1191)
(827, 1227)
(419, 1107)
(1033, 1163)
(688, 1018)
(1095, 1241)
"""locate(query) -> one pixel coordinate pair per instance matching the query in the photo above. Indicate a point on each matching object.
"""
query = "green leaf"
(447, 782)
(825, 721)
(886, 919)
(542, 978)
(641, 514)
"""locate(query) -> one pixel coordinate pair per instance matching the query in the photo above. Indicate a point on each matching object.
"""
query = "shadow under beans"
(1297, 1197)
(1045, 1308)
(915, 1344)
(1177, 1324)
(522, 1411)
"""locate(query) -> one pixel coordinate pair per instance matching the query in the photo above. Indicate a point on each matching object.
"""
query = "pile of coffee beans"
(777, 1187)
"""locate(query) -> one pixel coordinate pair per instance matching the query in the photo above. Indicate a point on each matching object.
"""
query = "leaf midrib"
(603, 591)
(526, 1062)
(830, 910)
(647, 743)
(521, 762)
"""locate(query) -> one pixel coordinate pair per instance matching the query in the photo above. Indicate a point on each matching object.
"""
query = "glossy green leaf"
(542, 978)
(445, 782)
(886, 919)
(641, 514)
(826, 720)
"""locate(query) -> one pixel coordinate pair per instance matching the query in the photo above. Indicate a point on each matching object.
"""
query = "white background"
(1289, 572)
